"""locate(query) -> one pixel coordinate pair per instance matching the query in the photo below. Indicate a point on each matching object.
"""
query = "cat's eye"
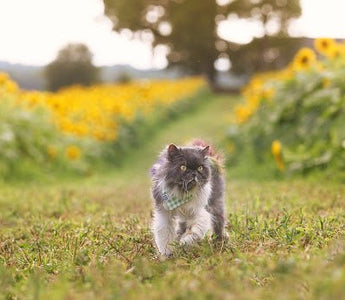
(183, 168)
(200, 168)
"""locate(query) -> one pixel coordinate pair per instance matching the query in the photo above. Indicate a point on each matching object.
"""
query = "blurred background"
(225, 40)
(97, 70)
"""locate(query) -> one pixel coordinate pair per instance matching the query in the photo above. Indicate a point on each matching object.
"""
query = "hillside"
(32, 78)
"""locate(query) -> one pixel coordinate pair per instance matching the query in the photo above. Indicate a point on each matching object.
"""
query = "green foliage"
(194, 45)
(16, 145)
(73, 65)
(306, 115)
(30, 143)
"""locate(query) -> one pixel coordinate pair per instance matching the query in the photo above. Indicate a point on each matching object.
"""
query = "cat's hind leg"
(216, 206)
(218, 223)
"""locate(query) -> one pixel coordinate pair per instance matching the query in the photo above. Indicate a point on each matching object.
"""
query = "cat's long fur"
(205, 211)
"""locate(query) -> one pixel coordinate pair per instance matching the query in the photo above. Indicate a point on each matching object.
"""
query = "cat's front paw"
(187, 239)
(165, 252)
(165, 255)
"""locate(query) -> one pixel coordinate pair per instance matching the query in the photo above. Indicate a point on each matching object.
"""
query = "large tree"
(189, 27)
(73, 65)
(264, 54)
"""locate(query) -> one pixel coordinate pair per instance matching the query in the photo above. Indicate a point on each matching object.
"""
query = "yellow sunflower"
(276, 149)
(268, 93)
(242, 113)
(324, 46)
(337, 51)
(304, 59)
(73, 152)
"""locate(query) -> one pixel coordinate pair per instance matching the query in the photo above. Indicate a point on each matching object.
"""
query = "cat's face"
(188, 168)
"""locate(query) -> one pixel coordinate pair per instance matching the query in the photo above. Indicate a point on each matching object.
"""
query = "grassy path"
(90, 239)
(208, 122)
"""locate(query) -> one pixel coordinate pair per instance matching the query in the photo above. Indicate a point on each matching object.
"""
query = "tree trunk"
(210, 73)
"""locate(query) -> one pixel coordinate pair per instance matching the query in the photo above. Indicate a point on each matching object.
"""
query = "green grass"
(89, 238)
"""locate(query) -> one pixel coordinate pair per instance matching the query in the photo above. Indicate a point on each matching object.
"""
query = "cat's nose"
(190, 184)
(191, 180)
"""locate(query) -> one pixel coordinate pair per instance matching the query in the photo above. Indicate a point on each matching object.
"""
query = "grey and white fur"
(196, 171)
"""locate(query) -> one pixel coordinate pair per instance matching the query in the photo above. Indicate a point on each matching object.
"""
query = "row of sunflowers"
(295, 117)
(78, 124)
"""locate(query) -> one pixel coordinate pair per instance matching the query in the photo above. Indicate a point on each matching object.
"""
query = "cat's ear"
(172, 151)
(206, 151)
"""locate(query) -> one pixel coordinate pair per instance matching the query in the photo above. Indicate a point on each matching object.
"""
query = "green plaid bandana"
(173, 202)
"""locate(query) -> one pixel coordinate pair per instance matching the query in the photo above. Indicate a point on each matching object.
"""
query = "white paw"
(165, 251)
(187, 239)
(164, 256)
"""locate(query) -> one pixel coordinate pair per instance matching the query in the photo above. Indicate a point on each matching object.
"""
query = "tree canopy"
(189, 27)
(73, 65)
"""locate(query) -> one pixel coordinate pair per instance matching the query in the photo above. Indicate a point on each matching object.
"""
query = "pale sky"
(32, 31)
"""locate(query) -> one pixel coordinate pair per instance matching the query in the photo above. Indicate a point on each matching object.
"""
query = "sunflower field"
(77, 126)
(293, 120)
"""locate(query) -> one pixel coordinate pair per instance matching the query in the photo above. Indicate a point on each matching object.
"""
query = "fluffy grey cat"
(188, 191)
